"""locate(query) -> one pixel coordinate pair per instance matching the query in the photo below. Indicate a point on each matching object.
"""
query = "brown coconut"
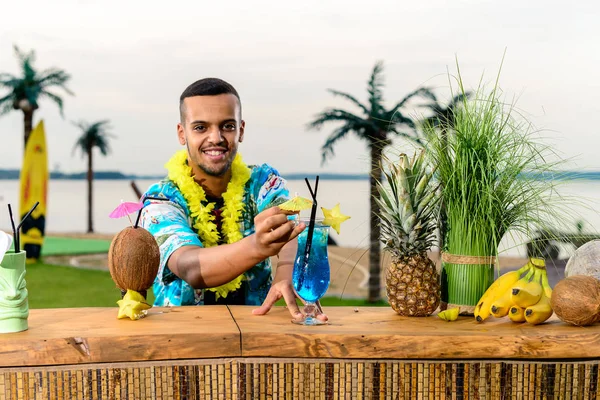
(576, 300)
(133, 259)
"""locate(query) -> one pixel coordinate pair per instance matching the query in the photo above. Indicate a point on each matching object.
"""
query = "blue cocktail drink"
(311, 273)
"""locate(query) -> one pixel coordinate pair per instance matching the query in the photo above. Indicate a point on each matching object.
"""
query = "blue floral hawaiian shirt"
(170, 223)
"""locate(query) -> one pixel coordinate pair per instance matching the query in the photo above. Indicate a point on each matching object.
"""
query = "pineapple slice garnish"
(133, 305)
(334, 217)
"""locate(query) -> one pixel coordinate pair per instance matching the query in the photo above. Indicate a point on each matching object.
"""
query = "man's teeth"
(214, 152)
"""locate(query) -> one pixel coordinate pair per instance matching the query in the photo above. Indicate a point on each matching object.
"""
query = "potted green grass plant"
(485, 154)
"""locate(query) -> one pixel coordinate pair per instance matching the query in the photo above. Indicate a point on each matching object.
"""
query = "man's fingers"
(273, 222)
(286, 232)
(322, 317)
(297, 230)
(290, 301)
(271, 299)
(281, 232)
(266, 214)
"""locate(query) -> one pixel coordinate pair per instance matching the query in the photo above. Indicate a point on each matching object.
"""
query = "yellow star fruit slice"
(296, 203)
(449, 315)
(334, 217)
(132, 305)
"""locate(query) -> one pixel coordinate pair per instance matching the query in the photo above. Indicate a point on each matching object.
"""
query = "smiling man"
(219, 223)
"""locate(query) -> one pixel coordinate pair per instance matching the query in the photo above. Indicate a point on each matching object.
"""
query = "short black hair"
(207, 87)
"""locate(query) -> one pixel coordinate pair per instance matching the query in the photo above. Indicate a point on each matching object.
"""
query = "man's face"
(211, 130)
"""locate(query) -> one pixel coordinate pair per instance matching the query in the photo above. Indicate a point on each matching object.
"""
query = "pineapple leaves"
(408, 203)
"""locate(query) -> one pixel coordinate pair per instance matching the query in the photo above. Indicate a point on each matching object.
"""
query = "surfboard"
(34, 188)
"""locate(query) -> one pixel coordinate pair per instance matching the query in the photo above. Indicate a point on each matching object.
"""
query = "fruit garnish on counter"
(450, 314)
(132, 305)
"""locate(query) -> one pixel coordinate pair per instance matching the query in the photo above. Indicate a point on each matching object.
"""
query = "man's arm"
(214, 266)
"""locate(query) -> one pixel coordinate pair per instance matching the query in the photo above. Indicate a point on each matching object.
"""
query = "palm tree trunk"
(374, 247)
(27, 125)
(90, 178)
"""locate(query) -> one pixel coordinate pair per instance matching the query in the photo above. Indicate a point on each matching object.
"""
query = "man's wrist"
(253, 248)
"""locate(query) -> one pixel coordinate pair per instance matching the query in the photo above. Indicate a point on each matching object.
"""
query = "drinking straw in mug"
(16, 231)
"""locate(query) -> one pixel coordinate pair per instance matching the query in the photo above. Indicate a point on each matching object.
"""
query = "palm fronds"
(31, 85)
(94, 134)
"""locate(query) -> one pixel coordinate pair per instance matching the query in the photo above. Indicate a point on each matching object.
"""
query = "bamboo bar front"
(218, 352)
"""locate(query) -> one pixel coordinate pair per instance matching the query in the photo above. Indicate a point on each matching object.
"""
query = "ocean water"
(67, 207)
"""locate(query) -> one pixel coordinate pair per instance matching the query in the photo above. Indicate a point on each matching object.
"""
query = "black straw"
(18, 235)
(28, 214)
(15, 237)
(137, 220)
(311, 223)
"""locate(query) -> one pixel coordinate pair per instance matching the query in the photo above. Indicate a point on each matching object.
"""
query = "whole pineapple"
(408, 205)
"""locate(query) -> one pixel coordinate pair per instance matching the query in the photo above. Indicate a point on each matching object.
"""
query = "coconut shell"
(576, 300)
(585, 260)
(133, 259)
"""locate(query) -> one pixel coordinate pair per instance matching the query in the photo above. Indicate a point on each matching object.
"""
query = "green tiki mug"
(14, 307)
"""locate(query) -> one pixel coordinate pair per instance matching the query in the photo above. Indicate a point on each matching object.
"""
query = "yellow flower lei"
(181, 174)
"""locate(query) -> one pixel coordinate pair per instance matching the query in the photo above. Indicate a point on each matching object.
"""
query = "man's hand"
(273, 230)
(285, 289)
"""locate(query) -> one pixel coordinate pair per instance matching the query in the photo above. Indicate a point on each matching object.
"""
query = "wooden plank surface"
(379, 333)
(86, 335)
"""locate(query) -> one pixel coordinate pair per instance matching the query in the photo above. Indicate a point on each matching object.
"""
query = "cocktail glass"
(311, 274)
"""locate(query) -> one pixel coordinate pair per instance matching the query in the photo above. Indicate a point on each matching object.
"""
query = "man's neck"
(214, 186)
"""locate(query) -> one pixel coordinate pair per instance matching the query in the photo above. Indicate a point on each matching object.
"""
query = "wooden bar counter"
(226, 352)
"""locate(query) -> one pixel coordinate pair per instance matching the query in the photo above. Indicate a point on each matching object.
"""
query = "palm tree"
(25, 91)
(92, 135)
(443, 115)
(376, 125)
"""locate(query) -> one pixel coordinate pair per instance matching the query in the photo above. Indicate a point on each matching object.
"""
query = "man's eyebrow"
(204, 122)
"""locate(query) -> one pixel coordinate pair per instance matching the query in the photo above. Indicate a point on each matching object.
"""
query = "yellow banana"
(538, 262)
(540, 312)
(500, 306)
(450, 314)
(525, 294)
(546, 285)
(498, 287)
(516, 314)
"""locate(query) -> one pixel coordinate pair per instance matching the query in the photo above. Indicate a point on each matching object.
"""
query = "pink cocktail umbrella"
(126, 208)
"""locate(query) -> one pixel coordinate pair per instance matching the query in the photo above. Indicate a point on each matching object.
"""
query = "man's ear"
(242, 128)
(181, 134)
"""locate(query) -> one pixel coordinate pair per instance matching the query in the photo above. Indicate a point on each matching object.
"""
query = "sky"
(131, 60)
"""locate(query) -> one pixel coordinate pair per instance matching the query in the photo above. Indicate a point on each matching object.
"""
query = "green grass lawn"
(53, 286)
(67, 246)
(58, 246)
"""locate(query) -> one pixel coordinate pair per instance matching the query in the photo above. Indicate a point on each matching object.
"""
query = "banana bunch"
(522, 295)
